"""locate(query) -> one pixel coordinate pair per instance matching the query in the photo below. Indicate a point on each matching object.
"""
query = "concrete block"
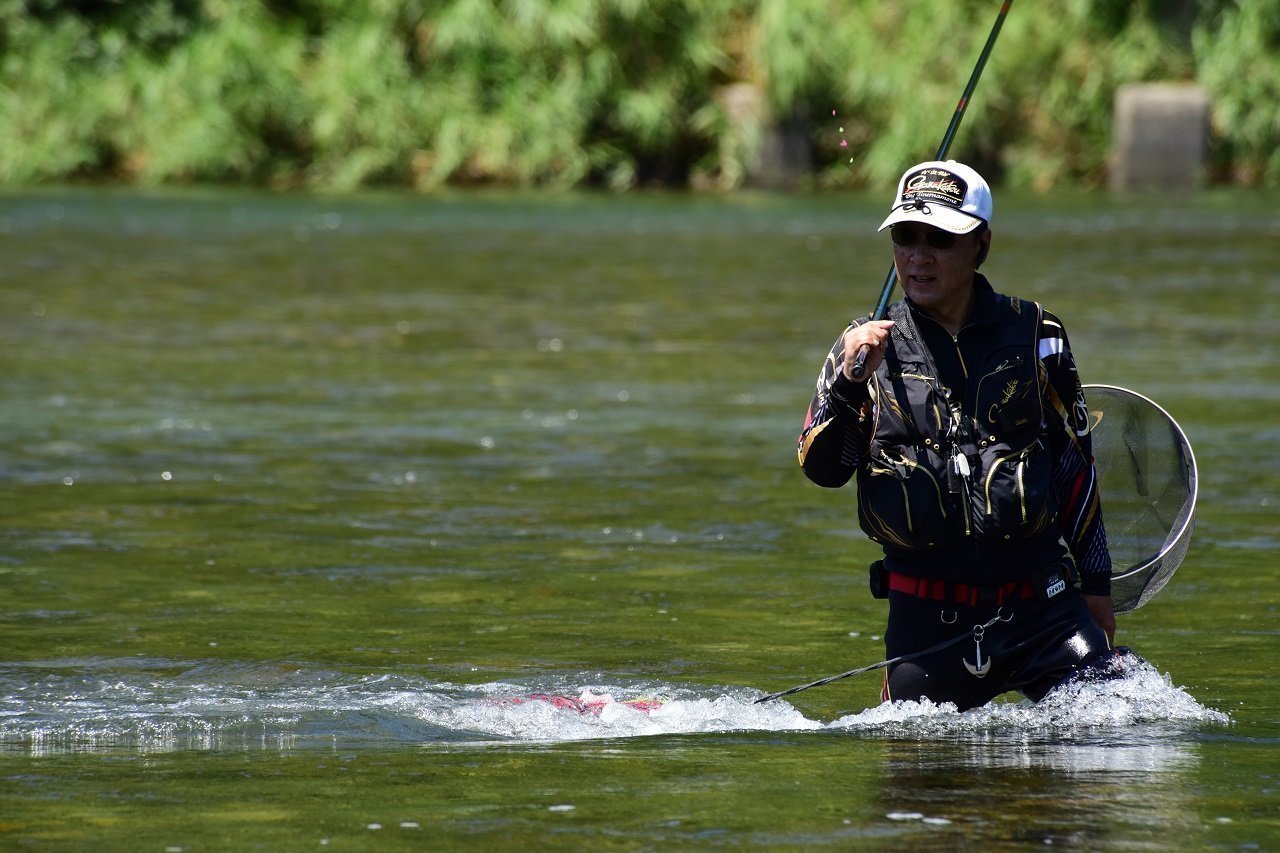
(1160, 136)
(775, 152)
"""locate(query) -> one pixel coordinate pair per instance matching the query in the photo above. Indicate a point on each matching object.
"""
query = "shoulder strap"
(904, 325)
(1037, 322)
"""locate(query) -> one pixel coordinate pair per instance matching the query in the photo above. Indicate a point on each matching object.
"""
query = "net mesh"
(1147, 476)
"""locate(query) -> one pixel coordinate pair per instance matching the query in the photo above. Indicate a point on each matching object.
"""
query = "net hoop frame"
(1192, 473)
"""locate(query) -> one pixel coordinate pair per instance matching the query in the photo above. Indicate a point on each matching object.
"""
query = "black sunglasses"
(905, 236)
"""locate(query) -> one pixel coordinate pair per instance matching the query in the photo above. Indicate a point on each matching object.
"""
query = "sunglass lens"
(904, 236)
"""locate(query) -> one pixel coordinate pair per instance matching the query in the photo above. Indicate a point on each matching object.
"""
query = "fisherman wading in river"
(968, 437)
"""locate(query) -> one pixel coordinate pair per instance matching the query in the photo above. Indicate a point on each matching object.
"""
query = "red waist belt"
(961, 593)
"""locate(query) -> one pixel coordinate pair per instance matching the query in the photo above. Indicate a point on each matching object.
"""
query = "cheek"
(956, 261)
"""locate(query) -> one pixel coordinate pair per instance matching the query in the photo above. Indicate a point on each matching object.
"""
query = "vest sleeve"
(1075, 478)
(834, 433)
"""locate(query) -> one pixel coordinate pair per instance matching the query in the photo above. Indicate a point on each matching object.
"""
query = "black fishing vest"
(941, 471)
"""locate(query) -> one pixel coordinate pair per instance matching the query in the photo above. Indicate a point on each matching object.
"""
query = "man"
(968, 435)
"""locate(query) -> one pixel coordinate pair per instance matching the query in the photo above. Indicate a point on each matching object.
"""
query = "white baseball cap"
(944, 194)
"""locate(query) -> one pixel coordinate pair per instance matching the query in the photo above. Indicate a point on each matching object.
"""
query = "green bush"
(331, 95)
(1237, 54)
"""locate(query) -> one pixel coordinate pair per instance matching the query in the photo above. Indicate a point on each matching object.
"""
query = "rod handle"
(860, 363)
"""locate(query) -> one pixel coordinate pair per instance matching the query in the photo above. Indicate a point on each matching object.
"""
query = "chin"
(921, 296)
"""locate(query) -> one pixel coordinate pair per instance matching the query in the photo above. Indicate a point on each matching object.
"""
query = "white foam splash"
(162, 706)
(541, 721)
(1141, 695)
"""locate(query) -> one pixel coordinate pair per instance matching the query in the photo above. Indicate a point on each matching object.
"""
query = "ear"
(984, 247)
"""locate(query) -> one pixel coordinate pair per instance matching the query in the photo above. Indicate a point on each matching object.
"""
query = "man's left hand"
(1103, 614)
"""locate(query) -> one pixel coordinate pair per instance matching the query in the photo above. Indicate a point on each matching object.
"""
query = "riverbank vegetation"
(332, 95)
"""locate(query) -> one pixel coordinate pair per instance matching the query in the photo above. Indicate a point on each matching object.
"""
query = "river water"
(388, 521)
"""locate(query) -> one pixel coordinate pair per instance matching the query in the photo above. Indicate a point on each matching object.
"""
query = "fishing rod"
(860, 364)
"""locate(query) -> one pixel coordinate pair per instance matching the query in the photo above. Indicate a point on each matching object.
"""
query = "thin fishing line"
(890, 662)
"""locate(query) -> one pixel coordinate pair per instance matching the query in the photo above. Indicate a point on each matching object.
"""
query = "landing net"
(1147, 475)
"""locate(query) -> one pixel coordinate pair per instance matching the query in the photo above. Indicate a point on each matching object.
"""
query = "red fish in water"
(589, 703)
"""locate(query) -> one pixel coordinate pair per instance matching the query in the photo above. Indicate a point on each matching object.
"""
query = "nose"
(920, 250)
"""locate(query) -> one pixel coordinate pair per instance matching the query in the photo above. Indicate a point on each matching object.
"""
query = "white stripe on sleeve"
(1050, 346)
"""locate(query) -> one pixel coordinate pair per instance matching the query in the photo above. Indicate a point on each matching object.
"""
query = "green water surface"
(550, 440)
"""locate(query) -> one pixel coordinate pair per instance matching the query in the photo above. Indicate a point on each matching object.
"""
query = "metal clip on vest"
(958, 470)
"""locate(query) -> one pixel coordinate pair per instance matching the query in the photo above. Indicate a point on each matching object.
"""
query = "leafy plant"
(330, 95)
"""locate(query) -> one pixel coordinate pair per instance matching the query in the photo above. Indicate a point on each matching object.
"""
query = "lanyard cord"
(977, 631)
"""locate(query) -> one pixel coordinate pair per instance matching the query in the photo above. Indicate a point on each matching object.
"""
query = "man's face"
(937, 279)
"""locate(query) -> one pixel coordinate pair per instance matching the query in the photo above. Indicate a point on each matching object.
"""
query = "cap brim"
(937, 215)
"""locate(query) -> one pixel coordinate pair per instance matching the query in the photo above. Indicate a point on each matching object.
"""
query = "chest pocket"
(1013, 493)
(917, 404)
(1007, 400)
(1014, 497)
(902, 501)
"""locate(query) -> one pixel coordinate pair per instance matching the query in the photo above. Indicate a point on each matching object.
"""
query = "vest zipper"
(958, 470)
(960, 462)
(1022, 492)
(906, 506)
(955, 339)
(906, 496)
(937, 489)
(1021, 456)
